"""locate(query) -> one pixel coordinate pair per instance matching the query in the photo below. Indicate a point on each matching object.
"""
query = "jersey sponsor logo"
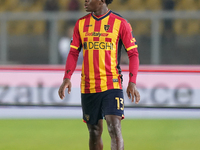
(133, 40)
(98, 34)
(98, 45)
(131, 74)
(89, 25)
(68, 71)
(106, 27)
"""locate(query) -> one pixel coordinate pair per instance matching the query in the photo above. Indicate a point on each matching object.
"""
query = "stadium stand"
(136, 5)
(187, 27)
(153, 5)
(186, 5)
(141, 27)
(180, 27)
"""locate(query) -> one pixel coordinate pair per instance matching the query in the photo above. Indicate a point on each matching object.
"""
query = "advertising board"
(38, 86)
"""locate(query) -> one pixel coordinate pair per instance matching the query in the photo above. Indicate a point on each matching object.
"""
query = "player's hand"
(133, 93)
(66, 84)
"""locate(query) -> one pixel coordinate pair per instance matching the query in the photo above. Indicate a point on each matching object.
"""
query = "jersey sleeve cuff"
(132, 78)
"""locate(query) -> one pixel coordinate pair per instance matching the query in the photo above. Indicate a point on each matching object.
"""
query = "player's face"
(92, 5)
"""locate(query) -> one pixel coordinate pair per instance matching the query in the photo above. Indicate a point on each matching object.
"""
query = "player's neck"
(102, 11)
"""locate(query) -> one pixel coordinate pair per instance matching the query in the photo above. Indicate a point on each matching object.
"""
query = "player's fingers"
(137, 97)
(128, 94)
(69, 89)
(61, 92)
(132, 97)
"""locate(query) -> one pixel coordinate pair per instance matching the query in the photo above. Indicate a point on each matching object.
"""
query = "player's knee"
(114, 130)
(95, 131)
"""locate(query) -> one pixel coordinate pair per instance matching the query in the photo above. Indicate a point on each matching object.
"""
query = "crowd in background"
(187, 29)
(74, 5)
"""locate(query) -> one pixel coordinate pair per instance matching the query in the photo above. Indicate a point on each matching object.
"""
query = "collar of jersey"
(102, 16)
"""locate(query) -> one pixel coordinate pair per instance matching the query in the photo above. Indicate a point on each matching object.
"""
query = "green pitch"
(71, 134)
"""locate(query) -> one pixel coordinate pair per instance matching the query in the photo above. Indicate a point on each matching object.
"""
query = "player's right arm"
(71, 62)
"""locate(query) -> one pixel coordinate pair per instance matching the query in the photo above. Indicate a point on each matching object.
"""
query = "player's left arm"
(130, 44)
(71, 62)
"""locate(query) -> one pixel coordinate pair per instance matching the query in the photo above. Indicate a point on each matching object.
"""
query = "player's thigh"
(91, 107)
(113, 103)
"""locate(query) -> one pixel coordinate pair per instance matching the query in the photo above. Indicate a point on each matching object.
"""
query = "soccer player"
(101, 35)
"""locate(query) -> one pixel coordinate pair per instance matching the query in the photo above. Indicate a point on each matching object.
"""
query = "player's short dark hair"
(108, 1)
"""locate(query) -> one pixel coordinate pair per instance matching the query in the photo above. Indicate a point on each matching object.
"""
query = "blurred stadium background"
(168, 35)
(167, 30)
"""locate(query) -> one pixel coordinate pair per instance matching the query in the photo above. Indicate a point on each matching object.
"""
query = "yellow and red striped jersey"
(101, 39)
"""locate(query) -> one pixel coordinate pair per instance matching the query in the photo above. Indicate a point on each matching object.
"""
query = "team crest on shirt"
(106, 27)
